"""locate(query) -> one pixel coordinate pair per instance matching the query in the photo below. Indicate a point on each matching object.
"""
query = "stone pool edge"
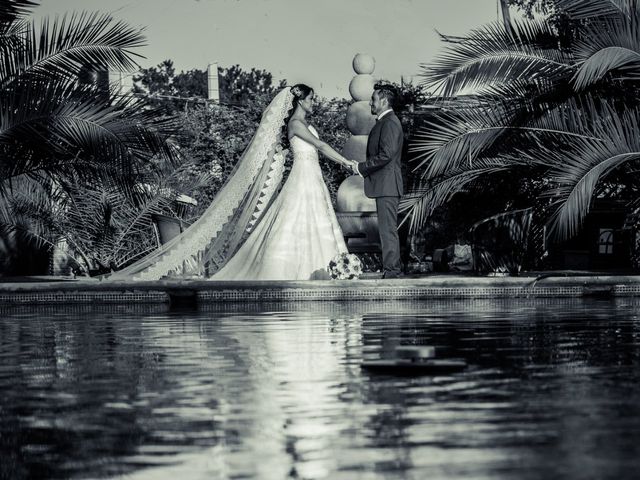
(425, 288)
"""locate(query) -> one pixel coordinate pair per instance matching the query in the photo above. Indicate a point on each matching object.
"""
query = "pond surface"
(275, 391)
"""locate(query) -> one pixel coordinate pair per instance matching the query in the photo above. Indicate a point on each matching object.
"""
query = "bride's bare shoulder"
(295, 125)
(296, 121)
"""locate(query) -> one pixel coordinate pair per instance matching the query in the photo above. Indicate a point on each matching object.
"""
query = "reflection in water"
(276, 391)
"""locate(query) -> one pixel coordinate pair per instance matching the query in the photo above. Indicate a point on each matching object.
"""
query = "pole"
(213, 92)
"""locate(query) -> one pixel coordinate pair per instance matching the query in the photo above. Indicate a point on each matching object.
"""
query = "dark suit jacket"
(381, 170)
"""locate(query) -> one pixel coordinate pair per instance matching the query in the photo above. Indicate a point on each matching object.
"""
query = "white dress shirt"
(384, 113)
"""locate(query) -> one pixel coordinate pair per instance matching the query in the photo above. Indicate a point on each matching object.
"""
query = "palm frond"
(30, 209)
(12, 34)
(420, 203)
(53, 126)
(453, 138)
(11, 10)
(566, 122)
(12, 40)
(587, 9)
(612, 139)
(67, 45)
(604, 61)
(457, 138)
(494, 55)
(609, 45)
(115, 227)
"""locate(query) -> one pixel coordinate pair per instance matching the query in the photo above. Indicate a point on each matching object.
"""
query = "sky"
(308, 41)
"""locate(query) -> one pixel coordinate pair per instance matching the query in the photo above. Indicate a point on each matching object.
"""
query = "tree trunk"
(506, 16)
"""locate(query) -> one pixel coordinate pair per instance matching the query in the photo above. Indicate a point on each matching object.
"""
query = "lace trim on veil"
(234, 211)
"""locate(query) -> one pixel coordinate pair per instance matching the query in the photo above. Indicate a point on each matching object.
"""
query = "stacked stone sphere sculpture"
(356, 213)
(360, 121)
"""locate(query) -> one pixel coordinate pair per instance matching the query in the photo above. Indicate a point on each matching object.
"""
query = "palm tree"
(506, 15)
(561, 108)
(55, 129)
(103, 227)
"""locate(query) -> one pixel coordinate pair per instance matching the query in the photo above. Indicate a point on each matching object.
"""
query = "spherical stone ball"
(364, 63)
(355, 148)
(361, 87)
(360, 121)
(351, 197)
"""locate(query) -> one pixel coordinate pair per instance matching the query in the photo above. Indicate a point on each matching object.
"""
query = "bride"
(250, 231)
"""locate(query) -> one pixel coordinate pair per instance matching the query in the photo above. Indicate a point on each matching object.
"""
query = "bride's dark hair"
(299, 91)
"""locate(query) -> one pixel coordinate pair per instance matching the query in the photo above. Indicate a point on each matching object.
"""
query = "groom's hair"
(387, 91)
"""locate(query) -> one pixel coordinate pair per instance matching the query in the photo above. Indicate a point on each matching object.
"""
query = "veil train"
(211, 241)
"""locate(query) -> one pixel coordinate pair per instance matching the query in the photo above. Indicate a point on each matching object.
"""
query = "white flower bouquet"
(345, 266)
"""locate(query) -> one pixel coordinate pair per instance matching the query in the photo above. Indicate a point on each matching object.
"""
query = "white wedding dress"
(298, 234)
(250, 231)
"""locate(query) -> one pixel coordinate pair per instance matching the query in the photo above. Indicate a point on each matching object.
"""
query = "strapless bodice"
(303, 150)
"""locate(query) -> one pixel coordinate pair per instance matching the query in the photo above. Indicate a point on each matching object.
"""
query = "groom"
(382, 176)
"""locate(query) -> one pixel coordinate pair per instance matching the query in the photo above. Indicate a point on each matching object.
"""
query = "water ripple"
(276, 391)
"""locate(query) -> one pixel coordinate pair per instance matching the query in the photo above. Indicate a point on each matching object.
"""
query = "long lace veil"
(211, 241)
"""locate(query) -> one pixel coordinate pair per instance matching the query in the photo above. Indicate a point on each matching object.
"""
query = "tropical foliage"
(329, 118)
(103, 228)
(61, 132)
(531, 7)
(214, 135)
(553, 103)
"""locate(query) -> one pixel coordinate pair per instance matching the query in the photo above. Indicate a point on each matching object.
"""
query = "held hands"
(352, 165)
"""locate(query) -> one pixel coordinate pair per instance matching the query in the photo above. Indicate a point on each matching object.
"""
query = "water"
(276, 391)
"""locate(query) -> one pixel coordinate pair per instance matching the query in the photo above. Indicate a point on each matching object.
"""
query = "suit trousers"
(387, 208)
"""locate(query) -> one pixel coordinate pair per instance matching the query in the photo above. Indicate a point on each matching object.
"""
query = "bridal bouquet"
(345, 266)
